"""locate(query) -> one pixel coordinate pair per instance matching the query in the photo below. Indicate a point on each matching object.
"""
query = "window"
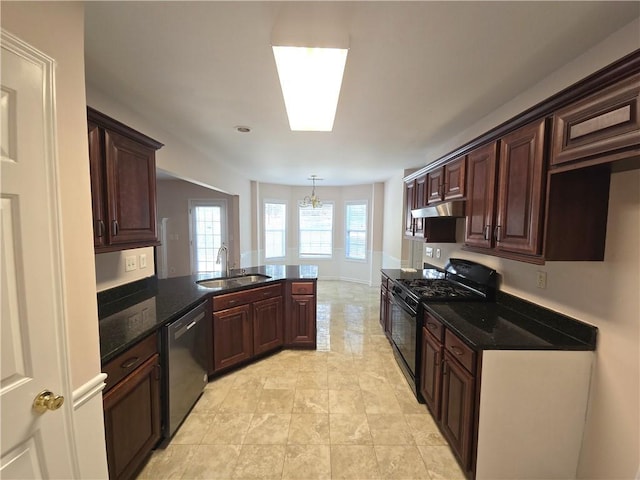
(275, 229)
(208, 233)
(356, 231)
(316, 231)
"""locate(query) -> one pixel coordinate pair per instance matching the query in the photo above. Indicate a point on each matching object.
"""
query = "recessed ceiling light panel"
(310, 79)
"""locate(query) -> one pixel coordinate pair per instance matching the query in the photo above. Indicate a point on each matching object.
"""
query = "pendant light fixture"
(312, 201)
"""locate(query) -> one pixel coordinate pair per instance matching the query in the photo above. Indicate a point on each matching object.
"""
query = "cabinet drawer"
(302, 288)
(229, 300)
(460, 351)
(599, 125)
(128, 361)
(433, 326)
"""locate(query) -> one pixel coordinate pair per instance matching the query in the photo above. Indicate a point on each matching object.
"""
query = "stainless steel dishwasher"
(187, 345)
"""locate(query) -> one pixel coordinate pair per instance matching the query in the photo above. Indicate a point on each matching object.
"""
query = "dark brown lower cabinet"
(302, 325)
(267, 325)
(458, 394)
(300, 315)
(232, 336)
(431, 372)
(132, 419)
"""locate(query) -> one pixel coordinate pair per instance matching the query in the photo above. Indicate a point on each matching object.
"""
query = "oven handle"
(397, 300)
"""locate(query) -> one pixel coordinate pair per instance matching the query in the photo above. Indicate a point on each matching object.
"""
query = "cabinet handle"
(158, 372)
(497, 232)
(457, 350)
(232, 302)
(114, 227)
(100, 228)
(432, 326)
(487, 229)
(437, 358)
(130, 362)
(444, 367)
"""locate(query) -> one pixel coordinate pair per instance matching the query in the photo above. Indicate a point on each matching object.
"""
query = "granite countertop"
(131, 313)
(509, 323)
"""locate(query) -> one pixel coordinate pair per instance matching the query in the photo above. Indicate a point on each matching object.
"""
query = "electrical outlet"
(541, 279)
(438, 253)
(143, 261)
(130, 263)
(428, 251)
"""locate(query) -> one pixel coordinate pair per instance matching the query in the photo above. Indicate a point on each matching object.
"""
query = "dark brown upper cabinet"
(515, 201)
(123, 184)
(481, 194)
(447, 182)
(521, 190)
(601, 128)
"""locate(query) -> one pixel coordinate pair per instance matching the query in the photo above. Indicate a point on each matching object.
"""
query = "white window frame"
(264, 226)
(346, 230)
(319, 255)
(207, 202)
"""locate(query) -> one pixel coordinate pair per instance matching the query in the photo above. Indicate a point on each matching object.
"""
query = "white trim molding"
(87, 391)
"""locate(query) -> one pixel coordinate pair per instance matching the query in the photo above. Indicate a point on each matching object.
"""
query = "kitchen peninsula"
(149, 352)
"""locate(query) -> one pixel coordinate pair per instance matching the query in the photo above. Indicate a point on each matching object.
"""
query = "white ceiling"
(416, 73)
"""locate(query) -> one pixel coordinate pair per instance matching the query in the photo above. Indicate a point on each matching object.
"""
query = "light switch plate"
(428, 251)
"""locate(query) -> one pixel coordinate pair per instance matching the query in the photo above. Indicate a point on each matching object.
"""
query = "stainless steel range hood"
(446, 209)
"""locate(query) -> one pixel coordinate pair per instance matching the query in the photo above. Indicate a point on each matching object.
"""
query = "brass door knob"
(47, 400)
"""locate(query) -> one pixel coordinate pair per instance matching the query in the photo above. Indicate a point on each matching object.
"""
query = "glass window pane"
(316, 230)
(207, 237)
(275, 221)
(356, 231)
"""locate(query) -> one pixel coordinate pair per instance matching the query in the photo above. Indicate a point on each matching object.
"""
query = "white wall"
(57, 29)
(604, 294)
(173, 204)
(393, 228)
(110, 267)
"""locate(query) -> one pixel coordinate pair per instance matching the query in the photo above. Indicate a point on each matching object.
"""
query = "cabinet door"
(457, 408)
(383, 305)
(302, 321)
(232, 336)
(409, 204)
(435, 182)
(481, 187)
(131, 190)
(96, 167)
(132, 419)
(454, 179)
(604, 126)
(519, 222)
(431, 372)
(267, 325)
(387, 316)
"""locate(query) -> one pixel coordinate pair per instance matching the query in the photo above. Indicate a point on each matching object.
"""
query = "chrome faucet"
(226, 258)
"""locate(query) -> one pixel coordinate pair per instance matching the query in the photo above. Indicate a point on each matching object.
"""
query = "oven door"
(403, 333)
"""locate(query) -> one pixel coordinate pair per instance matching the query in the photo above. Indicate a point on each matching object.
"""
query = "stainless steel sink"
(234, 281)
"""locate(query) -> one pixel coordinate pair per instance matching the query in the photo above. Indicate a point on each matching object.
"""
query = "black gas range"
(460, 281)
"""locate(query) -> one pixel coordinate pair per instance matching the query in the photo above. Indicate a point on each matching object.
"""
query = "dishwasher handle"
(178, 328)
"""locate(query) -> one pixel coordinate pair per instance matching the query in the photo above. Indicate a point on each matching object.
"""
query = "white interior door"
(34, 445)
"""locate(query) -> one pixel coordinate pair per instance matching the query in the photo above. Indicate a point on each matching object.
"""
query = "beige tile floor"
(343, 411)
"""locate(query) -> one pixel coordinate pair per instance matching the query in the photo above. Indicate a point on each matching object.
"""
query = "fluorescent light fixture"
(310, 79)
